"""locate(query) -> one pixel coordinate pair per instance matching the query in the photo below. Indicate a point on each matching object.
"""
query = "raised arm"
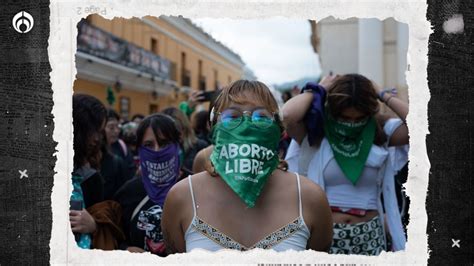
(400, 108)
(295, 109)
(293, 114)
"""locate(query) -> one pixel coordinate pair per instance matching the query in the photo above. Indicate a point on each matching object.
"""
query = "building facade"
(150, 63)
(376, 49)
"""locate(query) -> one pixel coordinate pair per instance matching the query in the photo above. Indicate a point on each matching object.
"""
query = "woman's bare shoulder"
(183, 184)
(179, 192)
(204, 153)
(306, 184)
(317, 212)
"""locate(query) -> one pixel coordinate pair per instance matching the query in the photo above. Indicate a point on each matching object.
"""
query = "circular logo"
(23, 22)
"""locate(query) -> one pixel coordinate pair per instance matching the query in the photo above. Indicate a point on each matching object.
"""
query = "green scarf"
(350, 143)
(245, 157)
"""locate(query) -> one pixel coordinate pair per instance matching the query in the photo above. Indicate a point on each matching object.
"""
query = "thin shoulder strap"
(299, 194)
(192, 194)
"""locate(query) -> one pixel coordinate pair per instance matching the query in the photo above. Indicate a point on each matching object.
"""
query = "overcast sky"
(277, 50)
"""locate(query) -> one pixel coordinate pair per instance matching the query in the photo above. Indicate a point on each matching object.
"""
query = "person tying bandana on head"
(142, 198)
(349, 158)
(243, 200)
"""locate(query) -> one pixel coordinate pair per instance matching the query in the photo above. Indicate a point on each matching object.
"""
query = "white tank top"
(200, 234)
(342, 193)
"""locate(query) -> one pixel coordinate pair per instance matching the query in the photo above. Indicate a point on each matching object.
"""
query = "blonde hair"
(245, 92)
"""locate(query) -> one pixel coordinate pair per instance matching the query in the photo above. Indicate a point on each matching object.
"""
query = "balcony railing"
(95, 41)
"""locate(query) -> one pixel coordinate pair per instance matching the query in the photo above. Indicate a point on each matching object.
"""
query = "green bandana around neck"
(350, 143)
(245, 157)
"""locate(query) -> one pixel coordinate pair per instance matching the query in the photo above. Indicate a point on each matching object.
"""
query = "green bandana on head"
(350, 143)
(245, 157)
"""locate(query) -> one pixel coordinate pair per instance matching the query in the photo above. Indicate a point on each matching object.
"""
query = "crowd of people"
(321, 172)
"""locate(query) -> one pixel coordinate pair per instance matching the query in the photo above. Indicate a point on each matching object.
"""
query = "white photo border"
(64, 18)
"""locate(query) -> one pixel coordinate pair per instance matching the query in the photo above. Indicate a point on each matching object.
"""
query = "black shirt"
(189, 157)
(144, 229)
(114, 172)
(92, 185)
(117, 149)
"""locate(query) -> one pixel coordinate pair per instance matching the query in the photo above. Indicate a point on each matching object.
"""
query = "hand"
(135, 249)
(82, 222)
(328, 80)
(194, 98)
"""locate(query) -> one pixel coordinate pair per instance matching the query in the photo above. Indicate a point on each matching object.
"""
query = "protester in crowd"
(137, 118)
(129, 136)
(95, 223)
(243, 201)
(89, 117)
(190, 145)
(201, 126)
(189, 106)
(142, 197)
(113, 169)
(344, 149)
(116, 145)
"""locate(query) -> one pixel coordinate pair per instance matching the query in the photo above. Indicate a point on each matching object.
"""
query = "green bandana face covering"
(350, 143)
(245, 157)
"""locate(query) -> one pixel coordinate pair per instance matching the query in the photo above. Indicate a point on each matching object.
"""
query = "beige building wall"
(140, 33)
(140, 102)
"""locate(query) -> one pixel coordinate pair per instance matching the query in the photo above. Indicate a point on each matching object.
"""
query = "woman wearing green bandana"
(244, 200)
(350, 161)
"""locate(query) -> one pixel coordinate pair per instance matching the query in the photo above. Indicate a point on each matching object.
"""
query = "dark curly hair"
(89, 116)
